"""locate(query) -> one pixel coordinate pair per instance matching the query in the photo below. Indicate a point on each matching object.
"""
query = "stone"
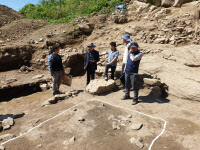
(41, 40)
(156, 92)
(2, 148)
(137, 142)
(152, 82)
(86, 28)
(68, 94)
(45, 103)
(129, 116)
(179, 3)
(60, 97)
(39, 146)
(81, 119)
(100, 86)
(137, 126)
(160, 41)
(7, 123)
(120, 19)
(38, 76)
(70, 141)
(8, 81)
(44, 87)
(115, 126)
(7, 136)
(167, 3)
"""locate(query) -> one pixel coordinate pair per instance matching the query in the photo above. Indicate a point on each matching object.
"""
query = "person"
(56, 68)
(113, 54)
(126, 40)
(90, 62)
(131, 71)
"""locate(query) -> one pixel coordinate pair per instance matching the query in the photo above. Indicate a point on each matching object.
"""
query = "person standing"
(56, 68)
(90, 62)
(113, 54)
(126, 40)
(131, 70)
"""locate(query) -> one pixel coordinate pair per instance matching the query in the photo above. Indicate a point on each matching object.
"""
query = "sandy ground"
(182, 130)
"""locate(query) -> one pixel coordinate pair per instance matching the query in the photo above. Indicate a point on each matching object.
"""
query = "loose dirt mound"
(17, 30)
(7, 15)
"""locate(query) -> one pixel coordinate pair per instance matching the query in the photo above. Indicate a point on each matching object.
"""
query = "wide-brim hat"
(91, 45)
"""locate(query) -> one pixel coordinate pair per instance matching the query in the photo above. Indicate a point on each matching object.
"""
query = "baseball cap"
(127, 37)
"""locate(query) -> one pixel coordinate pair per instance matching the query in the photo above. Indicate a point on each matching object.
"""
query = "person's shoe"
(135, 101)
(106, 78)
(125, 97)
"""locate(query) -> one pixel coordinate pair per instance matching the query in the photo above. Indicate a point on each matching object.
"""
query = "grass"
(61, 11)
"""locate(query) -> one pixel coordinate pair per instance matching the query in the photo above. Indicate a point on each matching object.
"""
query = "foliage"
(58, 11)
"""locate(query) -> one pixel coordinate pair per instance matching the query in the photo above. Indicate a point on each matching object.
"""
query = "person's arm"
(103, 54)
(136, 57)
(50, 61)
(125, 57)
(115, 59)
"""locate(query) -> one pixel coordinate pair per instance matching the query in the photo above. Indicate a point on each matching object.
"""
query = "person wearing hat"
(126, 40)
(90, 62)
(131, 70)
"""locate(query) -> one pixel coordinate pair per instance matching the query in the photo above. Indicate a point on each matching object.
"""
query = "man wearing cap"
(131, 70)
(127, 40)
(90, 62)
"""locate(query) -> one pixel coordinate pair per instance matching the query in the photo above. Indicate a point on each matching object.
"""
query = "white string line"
(178, 107)
(165, 122)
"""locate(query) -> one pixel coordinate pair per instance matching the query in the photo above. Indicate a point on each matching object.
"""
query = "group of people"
(131, 61)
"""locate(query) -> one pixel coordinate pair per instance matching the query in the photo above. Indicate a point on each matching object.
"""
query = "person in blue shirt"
(90, 62)
(56, 68)
(131, 70)
(113, 54)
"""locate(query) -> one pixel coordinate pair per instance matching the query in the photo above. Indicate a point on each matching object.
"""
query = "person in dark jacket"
(131, 71)
(56, 68)
(90, 62)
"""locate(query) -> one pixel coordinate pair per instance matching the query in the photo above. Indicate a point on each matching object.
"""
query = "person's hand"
(84, 68)
(130, 51)
(92, 61)
(108, 63)
(124, 72)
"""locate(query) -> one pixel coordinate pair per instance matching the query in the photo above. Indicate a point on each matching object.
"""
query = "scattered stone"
(45, 103)
(136, 126)
(2, 148)
(75, 109)
(38, 76)
(7, 123)
(60, 97)
(39, 146)
(152, 82)
(68, 94)
(7, 136)
(111, 117)
(44, 87)
(137, 142)
(64, 31)
(120, 19)
(8, 81)
(81, 119)
(86, 28)
(41, 40)
(100, 86)
(70, 141)
(160, 41)
(75, 92)
(129, 116)
(115, 126)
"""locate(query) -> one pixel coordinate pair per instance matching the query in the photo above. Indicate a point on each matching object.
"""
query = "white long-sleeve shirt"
(125, 57)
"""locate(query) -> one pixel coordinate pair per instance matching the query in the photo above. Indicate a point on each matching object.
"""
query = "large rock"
(179, 72)
(167, 3)
(152, 82)
(86, 28)
(7, 123)
(100, 86)
(179, 3)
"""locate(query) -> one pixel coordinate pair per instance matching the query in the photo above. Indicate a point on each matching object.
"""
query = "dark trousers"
(113, 68)
(131, 79)
(90, 74)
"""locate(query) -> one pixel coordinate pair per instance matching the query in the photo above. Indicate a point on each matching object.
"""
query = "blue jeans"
(130, 79)
(57, 79)
(113, 68)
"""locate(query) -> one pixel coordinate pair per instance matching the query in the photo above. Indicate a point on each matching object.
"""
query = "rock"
(7, 123)
(81, 119)
(75, 92)
(100, 86)
(44, 87)
(120, 19)
(156, 92)
(8, 81)
(160, 41)
(2, 148)
(7, 136)
(137, 142)
(167, 3)
(115, 126)
(129, 116)
(70, 141)
(86, 28)
(38, 76)
(136, 126)
(68, 94)
(39, 146)
(152, 82)
(50, 101)
(45, 103)
(60, 97)
(179, 3)
(41, 40)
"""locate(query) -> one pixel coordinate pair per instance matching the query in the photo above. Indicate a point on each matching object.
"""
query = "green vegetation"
(58, 11)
